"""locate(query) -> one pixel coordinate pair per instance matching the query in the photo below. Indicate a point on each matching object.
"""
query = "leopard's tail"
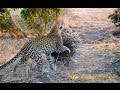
(10, 61)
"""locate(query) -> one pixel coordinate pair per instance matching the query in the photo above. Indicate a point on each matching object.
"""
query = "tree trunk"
(15, 32)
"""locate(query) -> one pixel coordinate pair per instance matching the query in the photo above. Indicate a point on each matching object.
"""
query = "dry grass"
(9, 48)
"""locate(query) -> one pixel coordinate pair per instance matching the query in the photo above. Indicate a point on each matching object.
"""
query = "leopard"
(34, 47)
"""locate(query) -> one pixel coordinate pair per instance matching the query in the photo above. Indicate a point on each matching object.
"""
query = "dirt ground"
(94, 54)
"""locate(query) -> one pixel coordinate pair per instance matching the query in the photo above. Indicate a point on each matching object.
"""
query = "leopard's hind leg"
(51, 62)
(22, 60)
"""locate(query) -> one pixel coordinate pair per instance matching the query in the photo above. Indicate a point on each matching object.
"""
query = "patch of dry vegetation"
(9, 48)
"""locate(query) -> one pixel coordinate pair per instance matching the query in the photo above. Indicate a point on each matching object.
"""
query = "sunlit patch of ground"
(91, 77)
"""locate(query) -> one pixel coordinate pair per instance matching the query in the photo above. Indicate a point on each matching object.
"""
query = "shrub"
(115, 17)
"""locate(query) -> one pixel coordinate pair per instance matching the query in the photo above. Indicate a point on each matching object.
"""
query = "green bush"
(118, 73)
(117, 56)
(5, 21)
(115, 17)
